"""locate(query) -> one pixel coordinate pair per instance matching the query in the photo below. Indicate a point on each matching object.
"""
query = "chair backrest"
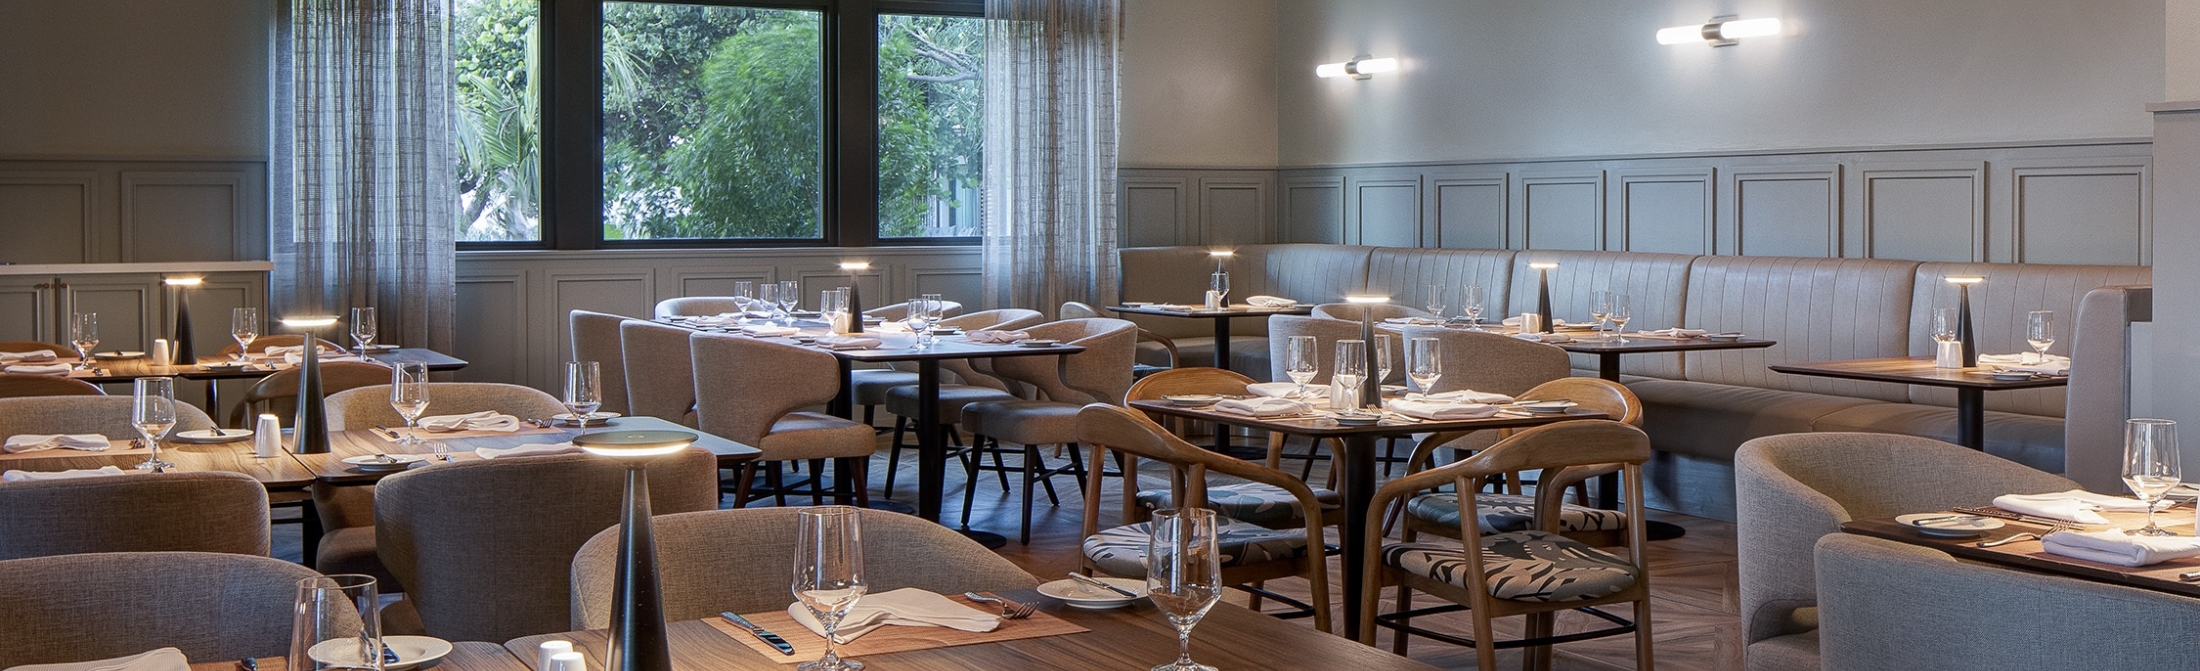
(696, 552)
(595, 338)
(900, 310)
(745, 384)
(1351, 311)
(277, 394)
(1613, 399)
(212, 606)
(1005, 319)
(261, 344)
(370, 406)
(1791, 489)
(660, 375)
(1187, 381)
(1326, 333)
(139, 512)
(1111, 427)
(1078, 310)
(104, 415)
(696, 306)
(18, 385)
(1492, 362)
(485, 548)
(34, 345)
(1564, 451)
(1100, 374)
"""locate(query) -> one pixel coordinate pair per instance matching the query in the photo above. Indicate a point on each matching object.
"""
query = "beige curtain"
(1050, 115)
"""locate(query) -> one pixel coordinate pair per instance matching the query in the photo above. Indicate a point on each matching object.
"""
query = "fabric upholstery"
(352, 550)
(1257, 503)
(1248, 354)
(370, 406)
(595, 337)
(1998, 317)
(1326, 333)
(2031, 440)
(485, 548)
(104, 415)
(660, 371)
(1490, 362)
(1406, 274)
(277, 394)
(1307, 273)
(810, 435)
(19, 385)
(749, 388)
(698, 551)
(1503, 513)
(696, 306)
(872, 384)
(1173, 275)
(1100, 374)
(1351, 312)
(1793, 652)
(1522, 566)
(1712, 420)
(1022, 422)
(140, 512)
(902, 400)
(212, 606)
(2099, 396)
(1121, 551)
(1655, 283)
(1818, 310)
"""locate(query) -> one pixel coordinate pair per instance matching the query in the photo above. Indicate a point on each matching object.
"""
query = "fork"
(2025, 536)
(1010, 610)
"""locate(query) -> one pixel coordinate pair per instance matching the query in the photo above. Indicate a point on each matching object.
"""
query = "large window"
(499, 120)
(931, 102)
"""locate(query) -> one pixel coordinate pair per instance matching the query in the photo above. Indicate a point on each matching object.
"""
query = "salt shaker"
(567, 661)
(267, 437)
(545, 655)
(160, 352)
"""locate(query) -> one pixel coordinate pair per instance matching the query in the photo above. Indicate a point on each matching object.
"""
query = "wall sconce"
(1722, 31)
(1360, 67)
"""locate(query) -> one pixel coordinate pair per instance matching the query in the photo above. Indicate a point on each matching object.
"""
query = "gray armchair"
(595, 337)
(212, 606)
(183, 512)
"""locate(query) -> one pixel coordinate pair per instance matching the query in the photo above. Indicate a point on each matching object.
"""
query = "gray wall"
(1199, 83)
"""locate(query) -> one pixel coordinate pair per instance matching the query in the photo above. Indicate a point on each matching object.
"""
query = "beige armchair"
(104, 415)
(212, 606)
(595, 337)
(149, 512)
(875, 387)
(1100, 374)
(19, 385)
(751, 391)
(696, 306)
(660, 371)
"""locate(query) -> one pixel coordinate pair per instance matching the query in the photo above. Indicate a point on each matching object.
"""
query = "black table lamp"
(638, 641)
(1963, 316)
(310, 428)
(1371, 389)
(185, 354)
(1543, 296)
(855, 296)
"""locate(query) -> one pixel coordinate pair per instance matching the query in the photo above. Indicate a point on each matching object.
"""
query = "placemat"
(888, 639)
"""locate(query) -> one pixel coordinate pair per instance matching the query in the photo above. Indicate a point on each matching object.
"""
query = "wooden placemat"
(889, 639)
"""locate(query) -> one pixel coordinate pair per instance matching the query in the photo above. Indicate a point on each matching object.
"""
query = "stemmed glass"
(766, 303)
(790, 298)
(1382, 358)
(744, 293)
(153, 412)
(1303, 362)
(2150, 465)
(935, 310)
(1944, 324)
(919, 320)
(409, 396)
(583, 390)
(1471, 303)
(1351, 371)
(363, 328)
(2039, 332)
(1424, 363)
(84, 335)
(828, 573)
(1184, 575)
(1621, 312)
(1436, 301)
(1600, 309)
(244, 326)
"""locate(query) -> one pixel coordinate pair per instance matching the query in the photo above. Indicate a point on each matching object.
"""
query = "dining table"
(213, 369)
(1220, 316)
(280, 473)
(1356, 480)
(464, 656)
(1971, 384)
(329, 467)
(2031, 555)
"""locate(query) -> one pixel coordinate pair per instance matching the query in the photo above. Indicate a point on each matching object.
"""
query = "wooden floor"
(1693, 581)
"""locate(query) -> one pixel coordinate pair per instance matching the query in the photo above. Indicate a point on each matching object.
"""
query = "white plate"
(207, 436)
(411, 651)
(1080, 595)
(1962, 526)
(1547, 407)
(2010, 377)
(1358, 419)
(1192, 399)
(124, 354)
(593, 417)
(1724, 337)
(399, 462)
(1037, 343)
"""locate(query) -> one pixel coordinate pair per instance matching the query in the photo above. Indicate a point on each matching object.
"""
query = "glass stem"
(2150, 518)
(831, 659)
(1184, 647)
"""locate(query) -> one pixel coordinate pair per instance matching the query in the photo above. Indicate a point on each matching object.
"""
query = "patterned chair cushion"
(1262, 504)
(1121, 551)
(1501, 513)
(1522, 566)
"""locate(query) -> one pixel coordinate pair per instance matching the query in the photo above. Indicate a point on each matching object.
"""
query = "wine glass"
(244, 326)
(919, 320)
(1436, 301)
(583, 390)
(1944, 324)
(1600, 309)
(363, 328)
(409, 396)
(828, 573)
(153, 412)
(1351, 371)
(766, 304)
(1302, 362)
(1622, 310)
(1470, 302)
(1424, 363)
(2150, 465)
(84, 335)
(337, 624)
(1219, 281)
(1184, 575)
(2040, 331)
(744, 292)
(935, 310)
(1382, 358)
(790, 298)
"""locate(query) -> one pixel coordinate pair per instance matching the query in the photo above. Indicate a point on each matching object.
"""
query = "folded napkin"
(1555, 322)
(891, 327)
(1675, 332)
(1544, 337)
(1263, 407)
(907, 607)
(2113, 546)
(1173, 306)
(1270, 302)
(717, 320)
(1314, 392)
(2027, 362)
(2076, 505)
(526, 450)
(486, 420)
(38, 369)
(1410, 320)
(295, 358)
(299, 350)
(1468, 396)
(848, 342)
(768, 330)
(28, 476)
(164, 659)
(33, 356)
(992, 337)
(1440, 410)
(32, 442)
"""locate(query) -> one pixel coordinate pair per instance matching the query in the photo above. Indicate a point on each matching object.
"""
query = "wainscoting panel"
(1663, 210)
(128, 313)
(1153, 211)
(1233, 211)
(1562, 210)
(50, 215)
(710, 281)
(2076, 212)
(1921, 211)
(27, 306)
(187, 216)
(493, 328)
(123, 210)
(1470, 210)
(1385, 211)
(1784, 211)
(1313, 210)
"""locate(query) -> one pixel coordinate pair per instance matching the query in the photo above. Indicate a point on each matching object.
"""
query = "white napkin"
(2113, 546)
(1544, 337)
(1440, 410)
(768, 330)
(486, 420)
(526, 450)
(33, 356)
(164, 659)
(1555, 322)
(908, 607)
(993, 337)
(717, 320)
(1263, 407)
(2076, 505)
(848, 342)
(1173, 306)
(2053, 364)
(1409, 320)
(38, 369)
(1677, 332)
(1314, 392)
(28, 476)
(32, 442)
(1270, 302)
(895, 326)
(1468, 396)
(295, 358)
(298, 350)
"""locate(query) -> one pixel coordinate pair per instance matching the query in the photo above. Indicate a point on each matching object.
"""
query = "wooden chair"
(1248, 504)
(17, 385)
(1254, 553)
(277, 394)
(1508, 511)
(1536, 572)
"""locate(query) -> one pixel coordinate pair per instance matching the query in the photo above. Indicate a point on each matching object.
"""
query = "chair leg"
(860, 467)
(1275, 453)
(1037, 467)
(1485, 637)
(1390, 454)
(1000, 468)
(1399, 638)
(817, 482)
(743, 482)
(893, 452)
(1537, 657)
(970, 483)
(1077, 468)
(779, 486)
(1642, 636)
(1031, 474)
(1253, 603)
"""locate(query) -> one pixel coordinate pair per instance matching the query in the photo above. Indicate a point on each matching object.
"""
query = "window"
(499, 121)
(931, 102)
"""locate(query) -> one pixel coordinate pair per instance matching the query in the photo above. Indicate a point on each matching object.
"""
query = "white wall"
(1199, 83)
(1489, 79)
(129, 78)
(2182, 42)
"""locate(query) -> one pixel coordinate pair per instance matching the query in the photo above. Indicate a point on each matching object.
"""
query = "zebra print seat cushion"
(1121, 551)
(1502, 513)
(1262, 504)
(1522, 566)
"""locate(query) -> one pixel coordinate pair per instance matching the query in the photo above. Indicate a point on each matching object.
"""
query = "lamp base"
(638, 638)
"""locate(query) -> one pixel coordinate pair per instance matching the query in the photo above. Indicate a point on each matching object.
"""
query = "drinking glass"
(337, 624)
(244, 326)
(1303, 362)
(935, 309)
(1382, 358)
(363, 328)
(1621, 312)
(1436, 301)
(828, 572)
(744, 292)
(153, 412)
(2150, 465)
(1944, 324)
(833, 308)
(1600, 309)
(1184, 575)
(1220, 283)
(790, 298)
(409, 396)
(1470, 302)
(2040, 331)
(919, 320)
(583, 390)
(766, 305)
(1351, 371)
(1424, 363)
(84, 335)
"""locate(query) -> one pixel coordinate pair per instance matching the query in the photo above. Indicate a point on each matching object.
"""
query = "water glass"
(1600, 309)
(1470, 302)
(1944, 324)
(935, 309)
(244, 327)
(1302, 362)
(828, 573)
(744, 293)
(363, 328)
(1436, 301)
(1351, 364)
(1424, 363)
(153, 412)
(918, 317)
(1622, 310)
(84, 335)
(583, 390)
(790, 298)
(2039, 331)
(1184, 575)
(337, 624)
(1382, 358)
(766, 305)
(409, 397)
(1219, 282)
(2150, 465)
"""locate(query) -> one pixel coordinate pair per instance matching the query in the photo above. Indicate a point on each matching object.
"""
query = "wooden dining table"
(1220, 316)
(117, 370)
(329, 467)
(279, 473)
(2031, 555)
(465, 656)
(1971, 385)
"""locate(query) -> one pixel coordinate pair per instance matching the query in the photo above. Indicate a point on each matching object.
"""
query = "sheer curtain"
(363, 164)
(1050, 110)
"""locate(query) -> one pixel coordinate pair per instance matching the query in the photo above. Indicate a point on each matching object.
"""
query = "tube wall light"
(1721, 31)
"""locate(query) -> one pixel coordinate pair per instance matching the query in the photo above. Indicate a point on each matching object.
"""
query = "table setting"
(88, 442)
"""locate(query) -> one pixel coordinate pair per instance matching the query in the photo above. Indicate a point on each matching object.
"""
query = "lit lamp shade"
(185, 353)
(633, 444)
(855, 293)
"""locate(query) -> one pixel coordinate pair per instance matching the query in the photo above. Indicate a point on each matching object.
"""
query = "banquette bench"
(1700, 407)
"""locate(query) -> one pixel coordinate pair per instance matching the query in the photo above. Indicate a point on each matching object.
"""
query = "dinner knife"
(1089, 580)
(760, 633)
